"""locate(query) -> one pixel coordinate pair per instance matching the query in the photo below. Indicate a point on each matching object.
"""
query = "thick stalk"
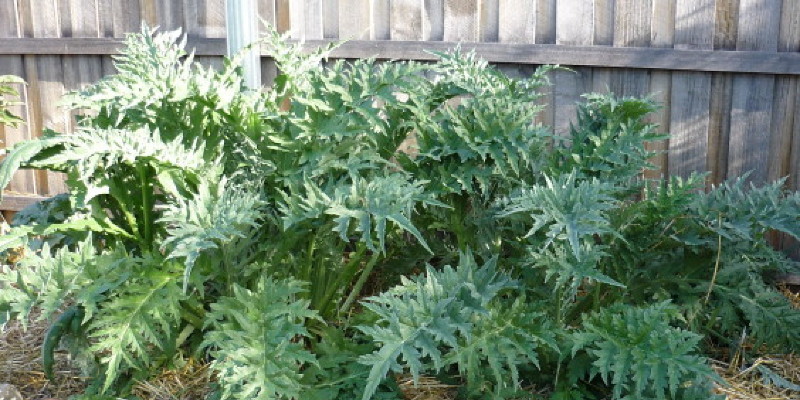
(346, 274)
(359, 284)
(147, 205)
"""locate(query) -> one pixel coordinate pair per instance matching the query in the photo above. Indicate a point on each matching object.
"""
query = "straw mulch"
(21, 364)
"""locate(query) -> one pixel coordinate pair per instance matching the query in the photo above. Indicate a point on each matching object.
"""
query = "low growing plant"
(362, 221)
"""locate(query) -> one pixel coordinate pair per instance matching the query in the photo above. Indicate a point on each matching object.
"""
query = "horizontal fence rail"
(754, 62)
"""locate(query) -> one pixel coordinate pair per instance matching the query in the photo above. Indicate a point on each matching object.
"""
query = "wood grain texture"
(603, 36)
(794, 159)
(575, 22)
(126, 16)
(406, 20)
(489, 21)
(633, 19)
(753, 96)
(545, 21)
(267, 14)
(14, 202)
(312, 19)
(754, 62)
(45, 76)
(80, 70)
(210, 17)
(786, 91)
(169, 14)
(149, 13)
(283, 20)
(604, 22)
(688, 143)
(330, 19)
(380, 20)
(433, 20)
(691, 91)
(354, 19)
(461, 20)
(662, 34)
(574, 26)
(517, 25)
(517, 21)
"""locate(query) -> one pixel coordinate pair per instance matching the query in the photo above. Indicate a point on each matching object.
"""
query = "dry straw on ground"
(21, 364)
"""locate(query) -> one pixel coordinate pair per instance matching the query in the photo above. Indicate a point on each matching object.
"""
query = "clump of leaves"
(639, 353)
(7, 83)
(302, 238)
(455, 316)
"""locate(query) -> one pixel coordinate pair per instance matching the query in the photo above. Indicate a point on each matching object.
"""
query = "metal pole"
(242, 27)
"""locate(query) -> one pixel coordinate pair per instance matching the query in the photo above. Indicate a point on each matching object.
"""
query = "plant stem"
(147, 205)
(716, 264)
(359, 284)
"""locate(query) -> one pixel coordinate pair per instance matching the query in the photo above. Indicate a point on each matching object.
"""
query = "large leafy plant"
(302, 238)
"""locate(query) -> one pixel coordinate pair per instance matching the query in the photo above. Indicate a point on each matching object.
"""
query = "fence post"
(242, 29)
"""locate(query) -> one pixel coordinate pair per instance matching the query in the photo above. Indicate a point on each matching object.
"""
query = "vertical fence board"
(574, 26)
(406, 20)
(662, 34)
(488, 24)
(632, 29)
(753, 95)
(169, 14)
(380, 17)
(126, 16)
(794, 161)
(725, 32)
(545, 33)
(691, 91)
(81, 70)
(603, 36)
(46, 80)
(461, 20)
(313, 19)
(433, 20)
(330, 19)
(207, 19)
(783, 117)
(354, 19)
(517, 21)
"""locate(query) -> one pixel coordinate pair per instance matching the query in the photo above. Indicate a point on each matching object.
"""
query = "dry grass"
(189, 382)
(427, 388)
(21, 364)
(749, 383)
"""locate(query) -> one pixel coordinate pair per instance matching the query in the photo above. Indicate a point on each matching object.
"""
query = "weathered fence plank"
(751, 107)
(691, 91)
(574, 26)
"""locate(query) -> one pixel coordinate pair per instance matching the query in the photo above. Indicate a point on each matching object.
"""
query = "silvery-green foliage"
(638, 352)
(456, 135)
(453, 316)
(255, 337)
(363, 207)
(608, 140)
(744, 212)
(7, 89)
(218, 215)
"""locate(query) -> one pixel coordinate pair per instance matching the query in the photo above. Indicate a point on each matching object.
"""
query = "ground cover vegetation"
(287, 238)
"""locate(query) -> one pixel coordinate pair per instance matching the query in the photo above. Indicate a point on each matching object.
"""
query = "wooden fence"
(726, 71)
